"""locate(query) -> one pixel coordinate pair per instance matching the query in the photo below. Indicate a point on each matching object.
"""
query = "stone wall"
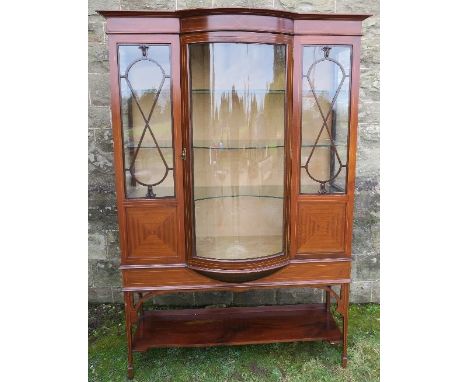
(104, 276)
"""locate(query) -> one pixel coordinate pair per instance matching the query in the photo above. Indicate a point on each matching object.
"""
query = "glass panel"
(238, 102)
(145, 88)
(325, 118)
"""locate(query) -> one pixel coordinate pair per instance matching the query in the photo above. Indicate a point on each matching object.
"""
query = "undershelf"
(235, 326)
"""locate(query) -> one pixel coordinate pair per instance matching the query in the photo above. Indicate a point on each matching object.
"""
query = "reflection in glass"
(238, 98)
(325, 118)
(145, 87)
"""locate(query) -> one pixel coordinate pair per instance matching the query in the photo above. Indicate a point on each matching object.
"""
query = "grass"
(287, 362)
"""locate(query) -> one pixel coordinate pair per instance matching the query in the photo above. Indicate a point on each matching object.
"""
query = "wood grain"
(152, 234)
(237, 23)
(123, 25)
(235, 326)
(328, 27)
(297, 273)
(232, 19)
(321, 227)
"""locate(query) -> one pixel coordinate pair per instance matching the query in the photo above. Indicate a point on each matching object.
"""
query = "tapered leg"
(344, 296)
(327, 300)
(140, 296)
(128, 299)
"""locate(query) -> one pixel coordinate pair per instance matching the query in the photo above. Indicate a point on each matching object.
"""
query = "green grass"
(301, 362)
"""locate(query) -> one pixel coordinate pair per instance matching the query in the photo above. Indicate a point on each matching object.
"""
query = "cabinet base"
(235, 326)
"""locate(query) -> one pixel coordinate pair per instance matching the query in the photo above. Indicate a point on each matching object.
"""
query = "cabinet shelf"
(147, 147)
(262, 147)
(238, 148)
(233, 148)
(238, 91)
(238, 196)
(207, 191)
(235, 326)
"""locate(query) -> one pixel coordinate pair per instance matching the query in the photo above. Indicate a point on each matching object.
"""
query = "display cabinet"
(235, 150)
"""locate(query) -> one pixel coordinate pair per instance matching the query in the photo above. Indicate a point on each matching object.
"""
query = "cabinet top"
(232, 19)
(182, 13)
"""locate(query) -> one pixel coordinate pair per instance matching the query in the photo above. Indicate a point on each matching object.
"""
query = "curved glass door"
(238, 123)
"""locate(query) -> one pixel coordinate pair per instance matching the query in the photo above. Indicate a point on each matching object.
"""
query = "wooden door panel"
(151, 228)
(152, 234)
(321, 227)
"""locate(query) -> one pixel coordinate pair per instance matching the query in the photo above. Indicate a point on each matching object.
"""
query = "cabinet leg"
(140, 296)
(128, 299)
(130, 372)
(345, 299)
(327, 300)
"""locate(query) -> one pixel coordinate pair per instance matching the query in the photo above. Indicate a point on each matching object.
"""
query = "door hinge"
(184, 154)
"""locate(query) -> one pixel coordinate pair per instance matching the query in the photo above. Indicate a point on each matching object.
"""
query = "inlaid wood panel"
(321, 227)
(152, 234)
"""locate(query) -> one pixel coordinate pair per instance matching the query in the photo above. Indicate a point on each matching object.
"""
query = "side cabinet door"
(145, 96)
(326, 71)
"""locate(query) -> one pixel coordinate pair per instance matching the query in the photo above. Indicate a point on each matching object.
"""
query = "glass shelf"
(222, 142)
(147, 147)
(233, 148)
(132, 147)
(325, 145)
(310, 93)
(238, 91)
(151, 91)
(262, 147)
(208, 191)
(238, 148)
(238, 196)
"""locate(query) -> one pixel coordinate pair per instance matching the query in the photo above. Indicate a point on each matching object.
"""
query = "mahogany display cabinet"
(235, 151)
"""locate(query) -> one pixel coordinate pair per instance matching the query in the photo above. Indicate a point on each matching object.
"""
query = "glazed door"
(147, 145)
(325, 124)
(238, 150)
